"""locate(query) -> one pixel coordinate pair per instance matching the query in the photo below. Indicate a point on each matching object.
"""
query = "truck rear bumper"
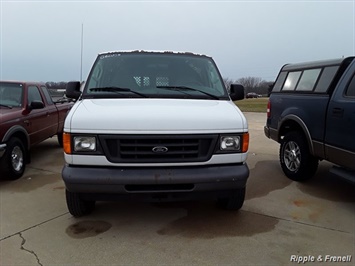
(271, 133)
(154, 180)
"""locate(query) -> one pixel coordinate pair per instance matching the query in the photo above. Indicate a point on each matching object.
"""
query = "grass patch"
(253, 105)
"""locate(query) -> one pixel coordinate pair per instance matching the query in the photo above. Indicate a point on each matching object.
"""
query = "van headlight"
(83, 143)
(229, 143)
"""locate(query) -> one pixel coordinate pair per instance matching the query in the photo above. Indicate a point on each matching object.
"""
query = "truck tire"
(233, 201)
(13, 163)
(296, 161)
(77, 206)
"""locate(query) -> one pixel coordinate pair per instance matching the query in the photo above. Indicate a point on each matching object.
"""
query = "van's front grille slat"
(158, 148)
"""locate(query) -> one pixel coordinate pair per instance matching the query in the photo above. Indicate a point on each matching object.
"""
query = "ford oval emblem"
(160, 149)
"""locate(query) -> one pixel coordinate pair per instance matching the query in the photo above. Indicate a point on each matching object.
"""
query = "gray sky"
(41, 40)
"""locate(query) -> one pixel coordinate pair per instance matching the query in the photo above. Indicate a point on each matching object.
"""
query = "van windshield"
(155, 75)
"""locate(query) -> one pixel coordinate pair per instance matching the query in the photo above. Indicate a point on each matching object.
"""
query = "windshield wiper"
(182, 88)
(118, 90)
(4, 105)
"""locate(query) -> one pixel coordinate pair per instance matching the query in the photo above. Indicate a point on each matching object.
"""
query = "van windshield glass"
(155, 75)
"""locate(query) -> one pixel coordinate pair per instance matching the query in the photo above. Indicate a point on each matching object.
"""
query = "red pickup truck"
(28, 116)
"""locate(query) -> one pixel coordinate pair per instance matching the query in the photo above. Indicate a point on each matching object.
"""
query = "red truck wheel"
(13, 163)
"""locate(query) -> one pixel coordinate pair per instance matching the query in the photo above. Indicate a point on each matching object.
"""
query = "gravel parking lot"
(281, 223)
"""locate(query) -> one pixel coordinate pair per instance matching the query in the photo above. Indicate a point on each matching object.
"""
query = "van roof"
(153, 52)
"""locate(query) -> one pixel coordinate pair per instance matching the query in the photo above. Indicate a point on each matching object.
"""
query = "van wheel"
(77, 206)
(296, 161)
(13, 163)
(233, 201)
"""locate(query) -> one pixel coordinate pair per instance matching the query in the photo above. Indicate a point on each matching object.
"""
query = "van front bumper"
(99, 180)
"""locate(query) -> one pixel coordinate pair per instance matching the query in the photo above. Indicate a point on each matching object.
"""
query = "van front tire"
(77, 206)
(233, 201)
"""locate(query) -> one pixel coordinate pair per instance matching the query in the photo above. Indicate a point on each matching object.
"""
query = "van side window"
(308, 80)
(350, 91)
(326, 78)
(291, 81)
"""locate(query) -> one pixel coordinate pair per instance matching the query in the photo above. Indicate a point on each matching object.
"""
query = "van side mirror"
(73, 90)
(236, 92)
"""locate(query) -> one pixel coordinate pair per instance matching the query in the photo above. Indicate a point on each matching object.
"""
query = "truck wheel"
(77, 206)
(233, 201)
(60, 139)
(296, 161)
(13, 163)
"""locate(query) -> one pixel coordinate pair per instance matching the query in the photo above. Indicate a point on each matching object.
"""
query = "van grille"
(158, 148)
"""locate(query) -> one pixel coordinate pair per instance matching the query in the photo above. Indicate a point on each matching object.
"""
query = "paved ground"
(280, 220)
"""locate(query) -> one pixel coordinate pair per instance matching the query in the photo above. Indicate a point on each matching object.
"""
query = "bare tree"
(250, 83)
(228, 82)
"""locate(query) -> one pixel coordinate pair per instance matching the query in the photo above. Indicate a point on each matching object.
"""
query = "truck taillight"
(268, 111)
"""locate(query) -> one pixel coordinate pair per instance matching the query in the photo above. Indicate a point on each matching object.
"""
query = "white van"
(154, 125)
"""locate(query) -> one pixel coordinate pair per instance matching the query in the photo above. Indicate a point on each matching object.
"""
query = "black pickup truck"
(311, 113)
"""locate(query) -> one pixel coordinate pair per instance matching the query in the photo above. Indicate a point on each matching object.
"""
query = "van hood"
(154, 116)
